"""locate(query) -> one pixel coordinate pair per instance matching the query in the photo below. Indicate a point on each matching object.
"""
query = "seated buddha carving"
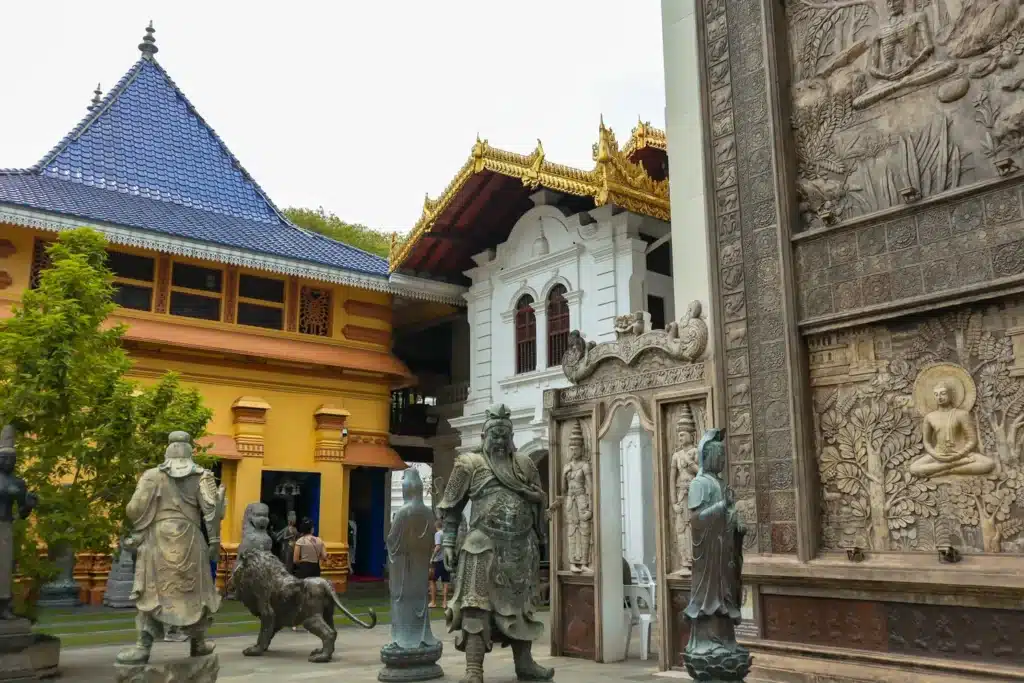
(950, 439)
(898, 53)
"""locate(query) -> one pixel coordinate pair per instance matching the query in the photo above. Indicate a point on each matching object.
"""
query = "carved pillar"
(762, 374)
(250, 419)
(541, 312)
(331, 433)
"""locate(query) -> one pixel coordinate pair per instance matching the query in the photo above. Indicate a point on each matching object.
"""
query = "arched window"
(526, 335)
(558, 325)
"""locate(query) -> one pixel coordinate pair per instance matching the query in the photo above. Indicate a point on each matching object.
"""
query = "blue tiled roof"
(145, 159)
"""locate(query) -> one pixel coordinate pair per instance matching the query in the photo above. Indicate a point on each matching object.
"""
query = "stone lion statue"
(280, 600)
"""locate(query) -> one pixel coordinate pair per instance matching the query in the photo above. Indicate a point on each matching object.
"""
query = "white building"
(544, 249)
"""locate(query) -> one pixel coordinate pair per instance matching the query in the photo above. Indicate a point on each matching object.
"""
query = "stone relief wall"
(576, 485)
(918, 429)
(897, 100)
(963, 243)
(750, 319)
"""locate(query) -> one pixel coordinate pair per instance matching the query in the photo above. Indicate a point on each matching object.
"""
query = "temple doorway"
(369, 488)
(284, 492)
(625, 530)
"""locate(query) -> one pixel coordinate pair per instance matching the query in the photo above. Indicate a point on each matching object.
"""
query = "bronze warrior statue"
(497, 566)
(12, 492)
(717, 531)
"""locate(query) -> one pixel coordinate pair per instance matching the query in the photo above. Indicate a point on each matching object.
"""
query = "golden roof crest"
(615, 179)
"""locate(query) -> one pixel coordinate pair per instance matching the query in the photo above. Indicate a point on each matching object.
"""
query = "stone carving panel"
(857, 624)
(684, 423)
(918, 429)
(750, 280)
(579, 635)
(966, 633)
(680, 626)
(576, 487)
(945, 248)
(898, 100)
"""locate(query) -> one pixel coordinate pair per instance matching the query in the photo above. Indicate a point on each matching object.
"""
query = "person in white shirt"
(439, 575)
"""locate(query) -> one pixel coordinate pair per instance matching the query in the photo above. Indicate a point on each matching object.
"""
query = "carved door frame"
(652, 407)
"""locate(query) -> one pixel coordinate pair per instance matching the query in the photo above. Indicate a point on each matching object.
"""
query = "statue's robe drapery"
(410, 545)
(499, 559)
(714, 606)
(173, 584)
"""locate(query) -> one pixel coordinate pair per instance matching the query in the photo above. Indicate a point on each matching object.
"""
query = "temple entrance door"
(624, 524)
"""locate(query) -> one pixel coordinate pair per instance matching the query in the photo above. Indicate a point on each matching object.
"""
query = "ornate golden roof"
(614, 179)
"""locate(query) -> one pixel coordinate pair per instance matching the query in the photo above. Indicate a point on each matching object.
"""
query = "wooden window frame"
(236, 289)
(525, 343)
(149, 284)
(558, 324)
(220, 296)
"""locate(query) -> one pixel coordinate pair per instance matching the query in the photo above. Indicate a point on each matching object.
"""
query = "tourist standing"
(439, 573)
(309, 551)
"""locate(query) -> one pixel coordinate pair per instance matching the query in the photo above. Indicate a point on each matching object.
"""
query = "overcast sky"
(361, 107)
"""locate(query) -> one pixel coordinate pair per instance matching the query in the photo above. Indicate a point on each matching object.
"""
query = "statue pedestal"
(119, 583)
(193, 670)
(410, 664)
(723, 665)
(26, 656)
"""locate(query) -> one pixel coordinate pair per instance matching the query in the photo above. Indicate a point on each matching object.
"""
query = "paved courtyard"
(357, 660)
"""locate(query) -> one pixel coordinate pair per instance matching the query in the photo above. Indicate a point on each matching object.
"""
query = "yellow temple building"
(287, 334)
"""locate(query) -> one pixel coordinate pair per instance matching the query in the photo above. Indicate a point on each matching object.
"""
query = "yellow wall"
(292, 391)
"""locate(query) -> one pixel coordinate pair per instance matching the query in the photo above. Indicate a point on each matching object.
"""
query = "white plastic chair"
(634, 594)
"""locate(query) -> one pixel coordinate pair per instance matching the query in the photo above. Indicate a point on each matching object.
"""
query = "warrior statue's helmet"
(178, 456)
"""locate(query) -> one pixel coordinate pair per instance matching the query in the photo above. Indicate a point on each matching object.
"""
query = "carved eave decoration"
(639, 359)
(615, 179)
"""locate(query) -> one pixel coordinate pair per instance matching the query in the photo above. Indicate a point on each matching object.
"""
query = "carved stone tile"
(1008, 259)
(1002, 207)
(934, 225)
(906, 282)
(857, 624)
(578, 623)
(966, 633)
(974, 267)
(917, 432)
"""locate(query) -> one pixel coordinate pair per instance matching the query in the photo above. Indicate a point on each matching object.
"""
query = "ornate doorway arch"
(662, 377)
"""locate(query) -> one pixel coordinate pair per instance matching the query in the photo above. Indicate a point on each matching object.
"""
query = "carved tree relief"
(881, 115)
(923, 450)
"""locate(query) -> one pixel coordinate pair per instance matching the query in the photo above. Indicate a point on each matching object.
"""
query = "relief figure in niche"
(684, 469)
(577, 481)
(948, 432)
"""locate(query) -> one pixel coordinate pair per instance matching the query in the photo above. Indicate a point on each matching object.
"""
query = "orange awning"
(172, 333)
(373, 455)
(221, 445)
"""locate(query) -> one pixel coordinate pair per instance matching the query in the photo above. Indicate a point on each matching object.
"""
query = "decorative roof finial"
(96, 95)
(148, 46)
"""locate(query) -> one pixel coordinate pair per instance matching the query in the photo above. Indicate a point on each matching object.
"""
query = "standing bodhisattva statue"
(712, 653)
(497, 567)
(173, 585)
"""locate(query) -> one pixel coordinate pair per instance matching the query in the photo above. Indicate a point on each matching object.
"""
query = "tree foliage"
(86, 432)
(352, 234)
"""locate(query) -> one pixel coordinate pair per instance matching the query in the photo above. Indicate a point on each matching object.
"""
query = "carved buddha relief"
(893, 99)
(925, 452)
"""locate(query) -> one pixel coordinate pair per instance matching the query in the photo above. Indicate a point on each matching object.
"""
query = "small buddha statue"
(898, 53)
(950, 439)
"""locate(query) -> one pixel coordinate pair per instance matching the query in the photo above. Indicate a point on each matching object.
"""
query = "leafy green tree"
(86, 432)
(352, 234)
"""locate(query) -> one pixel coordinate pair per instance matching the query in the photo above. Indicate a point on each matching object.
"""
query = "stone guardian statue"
(496, 569)
(13, 492)
(173, 587)
(413, 651)
(712, 653)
